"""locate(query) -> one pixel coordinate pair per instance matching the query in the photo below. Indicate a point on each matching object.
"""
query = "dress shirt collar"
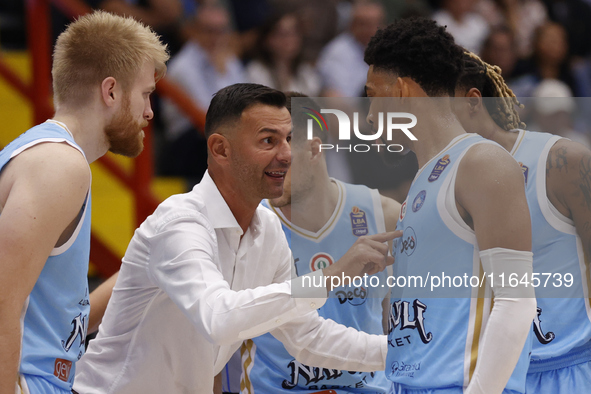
(220, 214)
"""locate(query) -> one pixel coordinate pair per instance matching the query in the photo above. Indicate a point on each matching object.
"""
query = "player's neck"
(87, 131)
(433, 140)
(312, 211)
(436, 127)
(502, 137)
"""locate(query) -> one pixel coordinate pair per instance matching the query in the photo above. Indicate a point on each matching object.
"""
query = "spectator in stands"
(341, 62)
(550, 60)
(468, 27)
(164, 16)
(575, 17)
(499, 49)
(553, 111)
(204, 65)
(522, 17)
(279, 62)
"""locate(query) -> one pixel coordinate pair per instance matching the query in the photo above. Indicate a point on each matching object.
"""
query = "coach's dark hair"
(420, 49)
(300, 118)
(228, 103)
(488, 80)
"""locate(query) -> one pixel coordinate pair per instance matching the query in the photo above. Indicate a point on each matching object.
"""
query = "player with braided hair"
(557, 175)
(488, 80)
(456, 221)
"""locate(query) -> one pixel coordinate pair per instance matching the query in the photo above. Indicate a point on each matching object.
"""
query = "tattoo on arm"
(549, 163)
(585, 180)
(561, 159)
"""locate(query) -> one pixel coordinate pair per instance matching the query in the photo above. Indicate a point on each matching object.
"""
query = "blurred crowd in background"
(316, 47)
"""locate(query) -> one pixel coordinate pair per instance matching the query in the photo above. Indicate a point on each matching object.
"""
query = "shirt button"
(278, 321)
(313, 304)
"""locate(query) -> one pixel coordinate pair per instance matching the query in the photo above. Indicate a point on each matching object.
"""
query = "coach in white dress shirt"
(210, 268)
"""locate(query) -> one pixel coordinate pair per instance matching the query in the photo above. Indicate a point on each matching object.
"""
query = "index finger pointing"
(385, 237)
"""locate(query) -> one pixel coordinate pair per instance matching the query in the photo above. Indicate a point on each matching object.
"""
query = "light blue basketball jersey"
(267, 366)
(563, 325)
(434, 336)
(55, 317)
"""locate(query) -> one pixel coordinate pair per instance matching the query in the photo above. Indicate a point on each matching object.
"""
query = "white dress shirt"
(190, 290)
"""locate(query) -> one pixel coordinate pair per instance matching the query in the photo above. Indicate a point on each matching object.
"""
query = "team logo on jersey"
(419, 200)
(320, 261)
(408, 244)
(543, 338)
(355, 296)
(525, 171)
(439, 167)
(80, 324)
(358, 222)
(403, 210)
(400, 316)
(316, 378)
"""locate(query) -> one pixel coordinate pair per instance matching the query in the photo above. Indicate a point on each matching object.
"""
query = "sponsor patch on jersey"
(355, 296)
(419, 200)
(408, 244)
(320, 261)
(358, 222)
(61, 369)
(439, 167)
(403, 210)
(525, 171)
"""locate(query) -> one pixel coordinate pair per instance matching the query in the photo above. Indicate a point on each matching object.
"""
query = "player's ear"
(109, 92)
(218, 147)
(404, 87)
(474, 99)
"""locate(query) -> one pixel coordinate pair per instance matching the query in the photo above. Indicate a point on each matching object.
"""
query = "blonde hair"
(100, 45)
(487, 78)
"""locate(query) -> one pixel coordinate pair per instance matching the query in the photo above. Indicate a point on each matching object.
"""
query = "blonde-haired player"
(104, 69)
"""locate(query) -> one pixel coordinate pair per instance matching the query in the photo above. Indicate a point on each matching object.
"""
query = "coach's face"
(260, 151)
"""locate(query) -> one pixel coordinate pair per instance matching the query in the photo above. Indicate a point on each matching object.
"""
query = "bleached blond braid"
(506, 114)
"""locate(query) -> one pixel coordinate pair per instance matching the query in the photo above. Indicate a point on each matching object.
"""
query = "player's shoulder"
(487, 168)
(569, 149)
(487, 159)
(567, 160)
(56, 162)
